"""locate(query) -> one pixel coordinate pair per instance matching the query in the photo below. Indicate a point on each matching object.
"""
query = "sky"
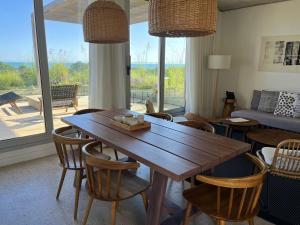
(65, 40)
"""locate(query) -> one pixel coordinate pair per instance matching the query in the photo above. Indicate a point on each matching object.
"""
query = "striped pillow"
(297, 107)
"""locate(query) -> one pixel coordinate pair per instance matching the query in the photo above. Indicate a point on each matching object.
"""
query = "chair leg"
(187, 214)
(151, 175)
(145, 199)
(61, 182)
(116, 154)
(87, 210)
(221, 222)
(114, 212)
(193, 182)
(251, 221)
(78, 184)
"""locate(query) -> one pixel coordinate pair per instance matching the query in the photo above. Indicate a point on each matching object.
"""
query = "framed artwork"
(280, 54)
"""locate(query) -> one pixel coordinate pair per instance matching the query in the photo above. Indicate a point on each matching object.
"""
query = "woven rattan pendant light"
(105, 22)
(182, 18)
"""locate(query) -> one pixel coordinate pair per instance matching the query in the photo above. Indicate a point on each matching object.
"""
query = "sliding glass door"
(174, 88)
(144, 67)
(20, 76)
(68, 57)
(157, 71)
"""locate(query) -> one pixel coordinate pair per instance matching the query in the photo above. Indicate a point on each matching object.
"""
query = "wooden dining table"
(171, 150)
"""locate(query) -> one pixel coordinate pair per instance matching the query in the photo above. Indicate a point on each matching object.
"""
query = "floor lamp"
(218, 62)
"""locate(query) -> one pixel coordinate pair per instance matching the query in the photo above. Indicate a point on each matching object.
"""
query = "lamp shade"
(105, 22)
(219, 62)
(182, 18)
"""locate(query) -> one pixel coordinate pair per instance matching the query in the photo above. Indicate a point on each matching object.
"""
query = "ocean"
(68, 65)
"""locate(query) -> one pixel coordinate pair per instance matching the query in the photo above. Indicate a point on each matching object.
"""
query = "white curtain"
(107, 89)
(200, 81)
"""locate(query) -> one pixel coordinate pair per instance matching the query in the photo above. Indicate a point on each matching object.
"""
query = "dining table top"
(174, 150)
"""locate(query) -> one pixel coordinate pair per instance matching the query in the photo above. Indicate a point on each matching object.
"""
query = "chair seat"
(130, 185)
(205, 198)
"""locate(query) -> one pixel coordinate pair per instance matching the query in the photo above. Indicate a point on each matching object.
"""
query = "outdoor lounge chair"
(64, 96)
(61, 96)
(10, 98)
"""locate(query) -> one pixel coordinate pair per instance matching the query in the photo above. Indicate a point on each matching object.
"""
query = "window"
(147, 80)
(20, 80)
(174, 91)
(144, 67)
(68, 57)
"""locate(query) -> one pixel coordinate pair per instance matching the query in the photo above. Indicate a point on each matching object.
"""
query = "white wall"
(241, 35)
(26, 154)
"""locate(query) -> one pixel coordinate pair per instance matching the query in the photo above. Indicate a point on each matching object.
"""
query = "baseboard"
(26, 154)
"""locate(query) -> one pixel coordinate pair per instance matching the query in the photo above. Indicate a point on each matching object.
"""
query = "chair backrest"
(69, 149)
(104, 176)
(149, 106)
(193, 116)
(85, 111)
(201, 125)
(286, 161)
(64, 92)
(237, 198)
(164, 116)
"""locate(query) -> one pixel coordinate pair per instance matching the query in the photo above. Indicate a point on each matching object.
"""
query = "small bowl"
(118, 119)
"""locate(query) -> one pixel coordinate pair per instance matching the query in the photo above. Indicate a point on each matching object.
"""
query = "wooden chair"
(149, 106)
(201, 125)
(193, 116)
(85, 111)
(164, 116)
(284, 160)
(69, 151)
(228, 199)
(111, 181)
(160, 115)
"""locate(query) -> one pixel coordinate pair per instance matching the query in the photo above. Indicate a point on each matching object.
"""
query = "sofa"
(263, 109)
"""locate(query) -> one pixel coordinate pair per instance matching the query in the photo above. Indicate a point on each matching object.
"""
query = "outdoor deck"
(30, 122)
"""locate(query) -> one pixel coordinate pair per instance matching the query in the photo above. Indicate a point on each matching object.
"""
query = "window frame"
(39, 40)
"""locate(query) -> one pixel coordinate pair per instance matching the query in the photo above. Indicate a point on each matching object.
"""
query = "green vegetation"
(143, 80)
(25, 76)
(144, 85)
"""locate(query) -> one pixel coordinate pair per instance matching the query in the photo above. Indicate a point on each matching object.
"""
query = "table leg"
(156, 199)
(253, 146)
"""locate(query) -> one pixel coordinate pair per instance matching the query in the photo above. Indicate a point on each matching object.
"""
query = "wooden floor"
(30, 122)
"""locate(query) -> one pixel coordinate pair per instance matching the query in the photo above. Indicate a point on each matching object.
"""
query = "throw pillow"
(297, 106)
(268, 101)
(255, 99)
(286, 104)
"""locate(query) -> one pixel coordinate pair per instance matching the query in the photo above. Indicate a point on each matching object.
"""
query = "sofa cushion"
(269, 119)
(297, 107)
(255, 99)
(286, 104)
(268, 101)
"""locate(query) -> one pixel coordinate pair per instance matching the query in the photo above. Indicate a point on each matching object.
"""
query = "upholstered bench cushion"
(268, 119)
(62, 102)
(269, 153)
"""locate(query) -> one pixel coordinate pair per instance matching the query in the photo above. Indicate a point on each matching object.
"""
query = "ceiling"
(225, 5)
(71, 11)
